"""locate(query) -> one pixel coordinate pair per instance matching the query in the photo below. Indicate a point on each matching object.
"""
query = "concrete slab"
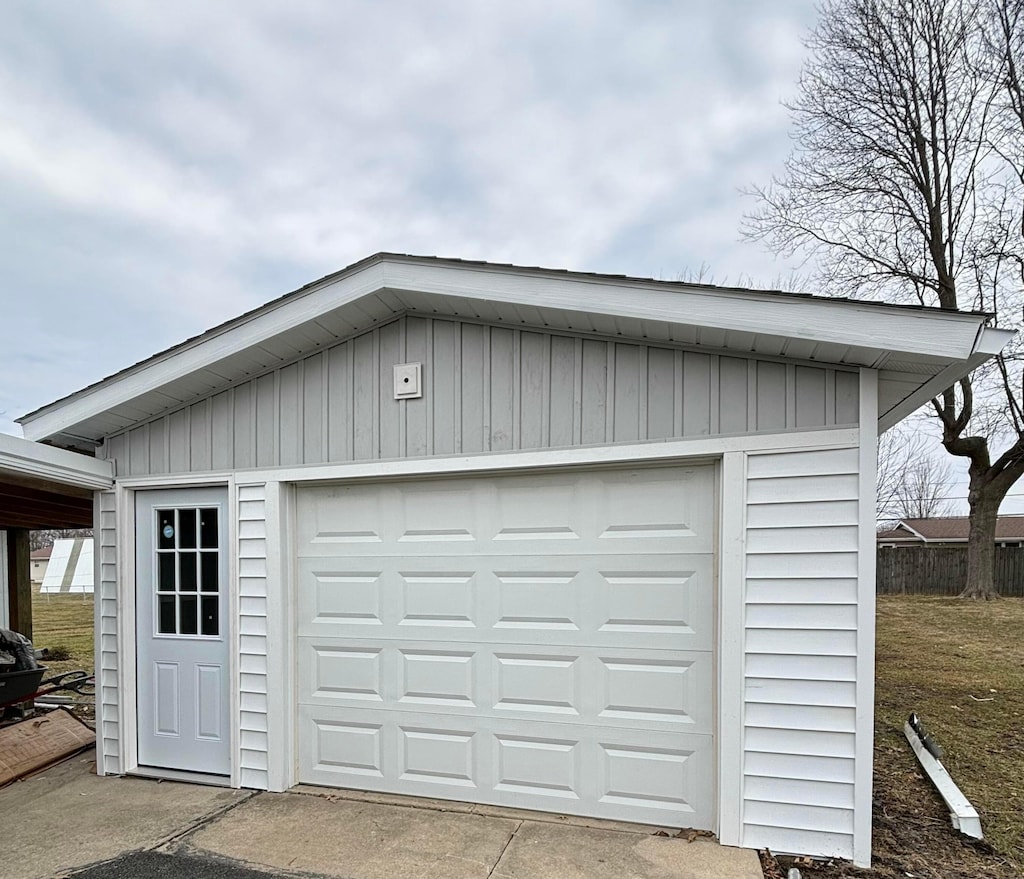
(356, 840)
(66, 817)
(546, 851)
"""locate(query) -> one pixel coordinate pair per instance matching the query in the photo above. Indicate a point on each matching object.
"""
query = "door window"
(187, 565)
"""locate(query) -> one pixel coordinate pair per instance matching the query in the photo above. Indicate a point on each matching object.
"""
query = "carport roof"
(918, 351)
(44, 487)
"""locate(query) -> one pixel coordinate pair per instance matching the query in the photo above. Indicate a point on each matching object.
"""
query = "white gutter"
(962, 814)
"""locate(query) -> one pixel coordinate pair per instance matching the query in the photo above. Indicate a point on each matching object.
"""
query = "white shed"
(70, 568)
(572, 542)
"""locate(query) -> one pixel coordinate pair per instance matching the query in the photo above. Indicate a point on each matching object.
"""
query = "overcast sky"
(166, 166)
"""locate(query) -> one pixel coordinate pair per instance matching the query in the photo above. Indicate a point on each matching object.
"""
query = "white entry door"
(181, 630)
(542, 641)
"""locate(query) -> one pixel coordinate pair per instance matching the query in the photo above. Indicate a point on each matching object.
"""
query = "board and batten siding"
(108, 712)
(800, 659)
(486, 389)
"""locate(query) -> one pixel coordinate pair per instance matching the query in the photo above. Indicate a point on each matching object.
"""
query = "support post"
(19, 582)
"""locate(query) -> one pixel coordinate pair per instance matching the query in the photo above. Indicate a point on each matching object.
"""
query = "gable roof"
(918, 351)
(949, 529)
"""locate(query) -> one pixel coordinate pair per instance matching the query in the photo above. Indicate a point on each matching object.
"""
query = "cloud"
(171, 166)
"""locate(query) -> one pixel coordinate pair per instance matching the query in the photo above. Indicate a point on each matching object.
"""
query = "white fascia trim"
(25, 458)
(638, 453)
(992, 340)
(929, 390)
(273, 319)
(821, 320)
(817, 319)
(913, 531)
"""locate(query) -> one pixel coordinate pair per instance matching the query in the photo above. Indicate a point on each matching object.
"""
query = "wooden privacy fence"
(942, 570)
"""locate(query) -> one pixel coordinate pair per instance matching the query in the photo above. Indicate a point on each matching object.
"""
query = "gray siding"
(485, 389)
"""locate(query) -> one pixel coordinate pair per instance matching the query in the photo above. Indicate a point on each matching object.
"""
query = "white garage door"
(539, 641)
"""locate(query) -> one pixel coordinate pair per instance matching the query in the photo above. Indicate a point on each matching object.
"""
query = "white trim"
(280, 639)
(97, 627)
(874, 327)
(127, 648)
(5, 597)
(25, 458)
(490, 462)
(865, 720)
(730, 646)
(992, 340)
(234, 638)
(930, 389)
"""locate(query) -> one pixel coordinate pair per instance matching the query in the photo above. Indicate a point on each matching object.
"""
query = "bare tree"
(912, 482)
(42, 538)
(906, 183)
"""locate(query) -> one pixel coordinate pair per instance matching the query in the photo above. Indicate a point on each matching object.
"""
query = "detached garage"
(579, 543)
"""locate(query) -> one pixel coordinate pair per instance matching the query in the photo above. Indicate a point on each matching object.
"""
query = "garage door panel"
(524, 513)
(616, 599)
(533, 640)
(620, 774)
(658, 690)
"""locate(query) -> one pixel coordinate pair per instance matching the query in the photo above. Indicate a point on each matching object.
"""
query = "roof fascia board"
(913, 531)
(930, 389)
(24, 458)
(278, 317)
(911, 332)
(992, 340)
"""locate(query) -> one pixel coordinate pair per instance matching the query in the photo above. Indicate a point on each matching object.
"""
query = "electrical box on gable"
(408, 380)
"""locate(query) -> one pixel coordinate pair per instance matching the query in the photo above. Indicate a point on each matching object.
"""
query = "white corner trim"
(731, 597)
(126, 656)
(281, 717)
(867, 549)
(27, 458)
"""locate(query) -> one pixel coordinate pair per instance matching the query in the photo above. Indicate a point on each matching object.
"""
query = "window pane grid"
(187, 566)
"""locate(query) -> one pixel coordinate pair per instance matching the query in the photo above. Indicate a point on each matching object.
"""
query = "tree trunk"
(981, 542)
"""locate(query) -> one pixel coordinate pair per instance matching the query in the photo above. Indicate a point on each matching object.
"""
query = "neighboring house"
(948, 531)
(71, 567)
(573, 542)
(40, 558)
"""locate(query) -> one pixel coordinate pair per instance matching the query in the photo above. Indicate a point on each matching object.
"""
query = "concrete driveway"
(66, 819)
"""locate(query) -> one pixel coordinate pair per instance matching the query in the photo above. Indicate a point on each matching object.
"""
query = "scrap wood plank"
(39, 741)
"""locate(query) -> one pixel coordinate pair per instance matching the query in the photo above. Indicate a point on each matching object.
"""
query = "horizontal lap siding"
(108, 719)
(486, 388)
(800, 662)
(252, 629)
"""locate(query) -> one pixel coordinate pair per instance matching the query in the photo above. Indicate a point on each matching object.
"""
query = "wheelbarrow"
(23, 686)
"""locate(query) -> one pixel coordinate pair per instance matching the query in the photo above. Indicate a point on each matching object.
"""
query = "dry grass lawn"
(64, 623)
(960, 666)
